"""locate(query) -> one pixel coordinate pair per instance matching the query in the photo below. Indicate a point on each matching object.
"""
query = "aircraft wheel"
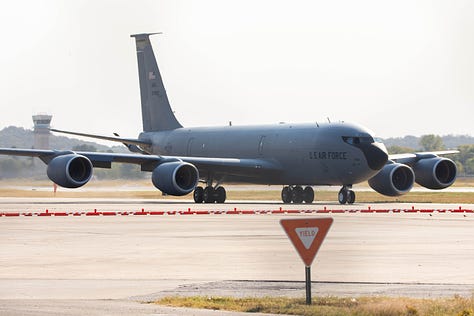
(342, 196)
(286, 195)
(308, 195)
(351, 197)
(220, 195)
(208, 195)
(198, 195)
(297, 195)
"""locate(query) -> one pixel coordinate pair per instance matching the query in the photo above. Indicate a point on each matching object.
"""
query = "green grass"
(328, 306)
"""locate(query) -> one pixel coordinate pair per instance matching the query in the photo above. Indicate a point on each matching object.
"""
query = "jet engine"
(175, 177)
(393, 180)
(70, 170)
(435, 173)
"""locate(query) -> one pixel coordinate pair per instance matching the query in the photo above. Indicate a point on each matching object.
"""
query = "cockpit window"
(352, 140)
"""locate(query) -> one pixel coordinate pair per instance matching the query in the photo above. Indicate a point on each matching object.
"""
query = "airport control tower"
(41, 130)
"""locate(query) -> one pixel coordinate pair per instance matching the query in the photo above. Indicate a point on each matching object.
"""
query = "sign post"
(307, 235)
(308, 285)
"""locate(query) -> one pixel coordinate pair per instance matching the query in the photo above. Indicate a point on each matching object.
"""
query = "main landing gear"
(209, 194)
(346, 195)
(297, 194)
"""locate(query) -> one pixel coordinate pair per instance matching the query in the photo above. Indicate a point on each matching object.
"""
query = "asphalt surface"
(113, 265)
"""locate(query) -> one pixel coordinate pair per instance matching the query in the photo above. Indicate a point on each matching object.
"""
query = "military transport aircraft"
(296, 156)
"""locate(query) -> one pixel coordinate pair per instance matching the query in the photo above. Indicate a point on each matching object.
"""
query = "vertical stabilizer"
(156, 110)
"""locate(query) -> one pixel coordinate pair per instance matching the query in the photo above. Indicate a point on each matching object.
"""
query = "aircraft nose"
(375, 154)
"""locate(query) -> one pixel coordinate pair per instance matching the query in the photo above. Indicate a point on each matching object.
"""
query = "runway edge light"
(307, 235)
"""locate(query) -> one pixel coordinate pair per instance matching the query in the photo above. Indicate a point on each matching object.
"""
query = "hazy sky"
(397, 67)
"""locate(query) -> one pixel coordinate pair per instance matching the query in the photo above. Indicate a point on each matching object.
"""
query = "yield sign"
(307, 235)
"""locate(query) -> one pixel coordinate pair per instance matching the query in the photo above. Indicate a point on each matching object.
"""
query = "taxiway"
(140, 258)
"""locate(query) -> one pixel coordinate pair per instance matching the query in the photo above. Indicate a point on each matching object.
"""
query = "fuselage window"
(357, 140)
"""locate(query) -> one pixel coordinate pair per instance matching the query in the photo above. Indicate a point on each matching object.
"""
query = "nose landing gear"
(346, 195)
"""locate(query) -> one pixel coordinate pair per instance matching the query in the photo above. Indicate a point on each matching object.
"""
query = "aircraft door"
(189, 147)
(265, 145)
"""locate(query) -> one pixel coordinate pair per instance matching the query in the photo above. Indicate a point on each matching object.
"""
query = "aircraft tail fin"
(156, 110)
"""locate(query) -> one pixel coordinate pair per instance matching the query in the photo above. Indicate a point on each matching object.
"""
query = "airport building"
(42, 124)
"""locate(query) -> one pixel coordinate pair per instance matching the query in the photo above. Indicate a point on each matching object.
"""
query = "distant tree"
(84, 147)
(399, 149)
(460, 168)
(407, 141)
(465, 152)
(10, 167)
(468, 166)
(431, 143)
(129, 171)
(19, 167)
(465, 159)
(119, 171)
(454, 141)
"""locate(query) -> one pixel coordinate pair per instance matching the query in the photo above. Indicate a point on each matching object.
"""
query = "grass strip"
(331, 306)
(252, 195)
(133, 189)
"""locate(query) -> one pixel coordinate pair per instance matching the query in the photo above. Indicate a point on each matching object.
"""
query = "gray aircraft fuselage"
(308, 154)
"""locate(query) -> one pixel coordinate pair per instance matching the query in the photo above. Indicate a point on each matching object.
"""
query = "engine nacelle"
(175, 177)
(70, 171)
(393, 180)
(435, 173)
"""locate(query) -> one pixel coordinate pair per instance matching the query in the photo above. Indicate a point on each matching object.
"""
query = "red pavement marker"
(60, 214)
(157, 213)
(11, 214)
(235, 211)
(109, 213)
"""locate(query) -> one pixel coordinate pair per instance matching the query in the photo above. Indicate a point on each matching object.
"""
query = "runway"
(139, 258)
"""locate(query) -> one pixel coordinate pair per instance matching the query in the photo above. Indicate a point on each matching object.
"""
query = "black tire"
(220, 195)
(351, 197)
(208, 195)
(342, 196)
(297, 195)
(308, 195)
(286, 195)
(198, 195)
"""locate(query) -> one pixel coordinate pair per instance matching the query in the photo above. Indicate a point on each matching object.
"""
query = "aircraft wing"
(98, 159)
(150, 162)
(412, 158)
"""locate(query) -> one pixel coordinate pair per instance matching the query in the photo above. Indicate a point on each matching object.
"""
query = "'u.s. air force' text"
(334, 155)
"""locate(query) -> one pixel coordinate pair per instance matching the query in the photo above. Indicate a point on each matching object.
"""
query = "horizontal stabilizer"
(145, 35)
(128, 141)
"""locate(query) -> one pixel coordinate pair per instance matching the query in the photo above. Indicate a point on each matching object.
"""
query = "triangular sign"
(307, 235)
